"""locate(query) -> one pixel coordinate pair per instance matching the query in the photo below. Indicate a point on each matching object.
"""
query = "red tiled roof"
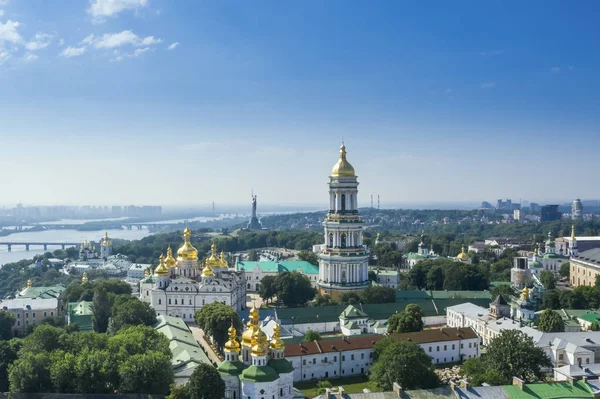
(364, 342)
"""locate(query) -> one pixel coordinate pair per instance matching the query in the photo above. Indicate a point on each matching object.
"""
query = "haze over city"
(180, 103)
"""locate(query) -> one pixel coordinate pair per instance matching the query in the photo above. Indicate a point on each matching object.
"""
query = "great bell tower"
(343, 260)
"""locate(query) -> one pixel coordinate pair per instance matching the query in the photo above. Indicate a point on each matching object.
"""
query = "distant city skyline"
(184, 103)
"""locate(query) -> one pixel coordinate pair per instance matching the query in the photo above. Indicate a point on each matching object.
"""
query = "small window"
(352, 357)
(45, 314)
(335, 358)
(453, 346)
(438, 348)
(470, 344)
(159, 302)
(169, 301)
(445, 347)
(430, 349)
(362, 355)
(304, 362)
(315, 360)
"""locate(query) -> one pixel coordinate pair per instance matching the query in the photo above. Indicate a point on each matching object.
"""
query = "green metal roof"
(551, 390)
(83, 308)
(183, 346)
(281, 366)
(461, 294)
(42, 292)
(591, 317)
(279, 267)
(231, 368)
(351, 312)
(259, 374)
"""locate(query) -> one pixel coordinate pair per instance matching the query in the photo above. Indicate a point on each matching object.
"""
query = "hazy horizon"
(184, 103)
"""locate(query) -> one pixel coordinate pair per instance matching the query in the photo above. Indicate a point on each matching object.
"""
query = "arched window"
(343, 276)
(343, 237)
(331, 240)
(343, 202)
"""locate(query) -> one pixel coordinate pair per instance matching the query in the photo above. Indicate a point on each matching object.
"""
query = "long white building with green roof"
(256, 270)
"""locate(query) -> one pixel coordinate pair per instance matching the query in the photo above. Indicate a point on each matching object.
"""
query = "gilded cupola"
(161, 269)
(277, 342)
(207, 271)
(247, 336)
(342, 167)
(462, 255)
(260, 344)
(213, 259)
(84, 278)
(106, 241)
(232, 345)
(222, 260)
(187, 250)
(28, 283)
(170, 260)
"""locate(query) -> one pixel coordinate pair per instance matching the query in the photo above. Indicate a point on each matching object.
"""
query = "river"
(19, 252)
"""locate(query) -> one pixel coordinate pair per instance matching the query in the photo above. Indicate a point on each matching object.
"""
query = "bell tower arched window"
(343, 239)
(343, 202)
(331, 240)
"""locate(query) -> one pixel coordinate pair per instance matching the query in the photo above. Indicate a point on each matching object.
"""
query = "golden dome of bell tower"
(170, 260)
(342, 167)
(232, 345)
(187, 250)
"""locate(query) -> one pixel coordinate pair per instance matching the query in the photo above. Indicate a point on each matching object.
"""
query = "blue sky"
(186, 102)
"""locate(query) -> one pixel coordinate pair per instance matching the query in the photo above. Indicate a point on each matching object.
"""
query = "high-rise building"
(577, 210)
(550, 213)
(343, 259)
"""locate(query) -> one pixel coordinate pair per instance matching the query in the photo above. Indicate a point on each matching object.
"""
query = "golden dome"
(525, 293)
(247, 336)
(28, 283)
(106, 241)
(277, 342)
(170, 260)
(187, 250)
(147, 272)
(207, 271)
(260, 344)
(222, 260)
(462, 256)
(161, 269)
(342, 167)
(232, 345)
(84, 278)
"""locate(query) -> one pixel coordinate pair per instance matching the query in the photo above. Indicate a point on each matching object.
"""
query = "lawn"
(350, 384)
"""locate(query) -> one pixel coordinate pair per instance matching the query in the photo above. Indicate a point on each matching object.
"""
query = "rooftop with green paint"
(279, 267)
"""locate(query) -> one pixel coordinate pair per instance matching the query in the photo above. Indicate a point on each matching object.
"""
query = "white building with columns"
(343, 259)
(179, 287)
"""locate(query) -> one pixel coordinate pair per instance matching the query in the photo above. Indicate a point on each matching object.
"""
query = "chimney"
(341, 392)
(397, 389)
(464, 383)
(519, 382)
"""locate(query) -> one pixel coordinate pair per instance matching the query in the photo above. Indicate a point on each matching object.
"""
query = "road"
(199, 336)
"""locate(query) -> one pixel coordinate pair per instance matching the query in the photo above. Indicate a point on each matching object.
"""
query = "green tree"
(267, 289)
(323, 300)
(505, 290)
(551, 299)
(372, 275)
(252, 256)
(405, 363)
(44, 338)
(595, 326)
(311, 335)
(309, 256)
(131, 313)
(206, 383)
(101, 309)
(547, 279)
(30, 373)
(550, 321)
(97, 372)
(62, 371)
(146, 373)
(294, 289)
(349, 298)
(215, 319)
(9, 351)
(512, 353)
(435, 278)
(7, 320)
(565, 270)
(378, 294)
(410, 320)
(179, 392)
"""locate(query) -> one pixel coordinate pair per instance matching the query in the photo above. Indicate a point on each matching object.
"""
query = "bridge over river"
(63, 245)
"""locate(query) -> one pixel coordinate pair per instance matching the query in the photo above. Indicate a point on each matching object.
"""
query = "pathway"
(199, 336)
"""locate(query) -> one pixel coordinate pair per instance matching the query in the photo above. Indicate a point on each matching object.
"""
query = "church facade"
(343, 259)
(179, 287)
(257, 368)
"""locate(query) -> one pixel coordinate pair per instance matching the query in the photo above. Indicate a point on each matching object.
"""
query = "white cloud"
(61, 42)
(1, 13)
(3, 2)
(39, 41)
(30, 57)
(140, 51)
(555, 69)
(488, 85)
(4, 55)
(124, 38)
(109, 8)
(72, 52)
(117, 59)
(491, 52)
(173, 46)
(8, 32)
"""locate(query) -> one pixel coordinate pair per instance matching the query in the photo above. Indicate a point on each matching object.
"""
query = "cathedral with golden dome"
(257, 368)
(343, 259)
(181, 286)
